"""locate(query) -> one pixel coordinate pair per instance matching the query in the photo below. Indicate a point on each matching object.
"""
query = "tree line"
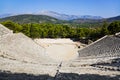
(49, 30)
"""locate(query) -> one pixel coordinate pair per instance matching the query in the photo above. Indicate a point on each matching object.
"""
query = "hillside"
(30, 18)
(113, 19)
(80, 22)
(57, 15)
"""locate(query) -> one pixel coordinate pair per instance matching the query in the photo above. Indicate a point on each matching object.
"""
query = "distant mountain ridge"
(39, 18)
(68, 17)
(57, 15)
(114, 18)
(5, 15)
(111, 19)
(30, 18)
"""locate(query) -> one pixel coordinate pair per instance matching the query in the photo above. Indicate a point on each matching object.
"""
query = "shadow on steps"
(6, 75)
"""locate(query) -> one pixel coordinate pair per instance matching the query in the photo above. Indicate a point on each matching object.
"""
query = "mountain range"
(53, 17)
(30, 18)
(68, 17)
(58, 15)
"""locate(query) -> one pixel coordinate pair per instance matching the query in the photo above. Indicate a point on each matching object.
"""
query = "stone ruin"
(108, 46)
(4, 31)
(23, 59)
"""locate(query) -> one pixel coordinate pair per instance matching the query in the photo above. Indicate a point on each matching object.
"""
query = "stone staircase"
(4, 31)
(26, 60)
(108, 46)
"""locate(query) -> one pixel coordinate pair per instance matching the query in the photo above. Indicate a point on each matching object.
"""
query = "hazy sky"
(104, 8)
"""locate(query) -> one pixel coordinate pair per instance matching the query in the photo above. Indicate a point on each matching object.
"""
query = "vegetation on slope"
(49, 30)
(29, 18)
(117, 18)
(114, 27)
(41, 26)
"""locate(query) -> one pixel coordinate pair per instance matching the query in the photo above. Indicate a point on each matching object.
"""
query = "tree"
(26, 29)
(34, 31)
(13, 26)
(114, 27)
(104, 31)
(48, 30)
